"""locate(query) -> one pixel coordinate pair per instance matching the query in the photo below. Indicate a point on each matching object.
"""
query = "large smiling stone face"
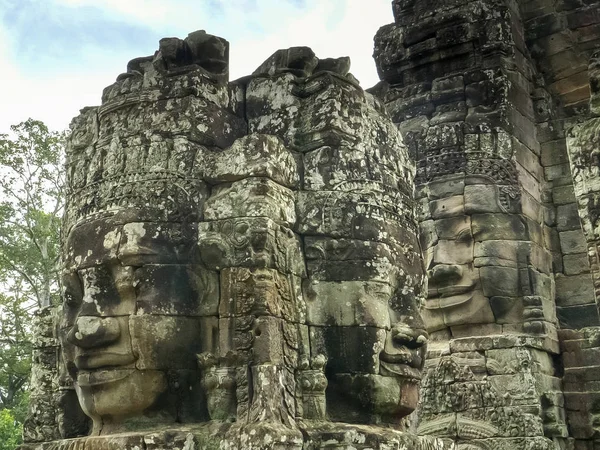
(485, 264)
(131, 320)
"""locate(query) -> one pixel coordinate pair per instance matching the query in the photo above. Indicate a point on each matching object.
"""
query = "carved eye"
(72, 289)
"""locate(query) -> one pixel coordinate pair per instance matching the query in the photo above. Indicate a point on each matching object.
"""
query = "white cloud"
(255, 28)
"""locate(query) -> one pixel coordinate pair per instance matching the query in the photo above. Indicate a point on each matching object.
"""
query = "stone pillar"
(581, 348)
(458, 82)
(41, 424)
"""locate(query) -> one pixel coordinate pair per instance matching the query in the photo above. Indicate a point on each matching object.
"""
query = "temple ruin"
(288, 261)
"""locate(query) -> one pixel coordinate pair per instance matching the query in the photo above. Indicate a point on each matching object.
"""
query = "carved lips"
(105, 376)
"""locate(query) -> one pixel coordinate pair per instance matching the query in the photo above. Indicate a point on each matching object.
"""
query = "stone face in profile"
(241, 255)
(364, 280)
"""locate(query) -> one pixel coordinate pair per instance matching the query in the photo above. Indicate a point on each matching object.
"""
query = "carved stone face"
(130, 322)
(375, 341)
(455, 295)
(483, 257)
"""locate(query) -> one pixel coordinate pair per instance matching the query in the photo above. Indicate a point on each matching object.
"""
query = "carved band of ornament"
(130, 178)
(377, 188)
(500, 171)
(319, 82)
(332, 137)
(153, 192)
(125, 101)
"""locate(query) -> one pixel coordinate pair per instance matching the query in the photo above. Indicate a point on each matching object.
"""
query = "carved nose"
(409, 337)
(89, 332)
(444, 273)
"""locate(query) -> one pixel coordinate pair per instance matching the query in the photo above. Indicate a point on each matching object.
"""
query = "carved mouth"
(89, 361)
(390, 369)
(407, 357)
(105, 376)
(447, 302)
(449, 291)
(449, 296)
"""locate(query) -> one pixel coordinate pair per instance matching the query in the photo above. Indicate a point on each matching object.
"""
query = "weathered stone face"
(478, 175)
(130, 328)
(137, 295)
(474, 245)
(363, 285)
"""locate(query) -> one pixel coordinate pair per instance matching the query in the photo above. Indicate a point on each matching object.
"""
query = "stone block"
(176, 290)
(531, 207)
(551, 239)
(453, 252)
(347, 303)
(507, 309)
(576, 264)
(554, 152)
(514, 252)
(367, 215)
(449, 187)
(557, 171)
(427, 234)
(472, 313)
(452, 112)
(536, 283)
(518, 360)
(250, 242)
(578, 316)
(330, 259)
(256, 155)
(500, 281)
(454, 228)
(334, 168)
(583, 358)
(475, 329)
(268, 343)
(534, 230)
(422, 209)
(574, 290)
(563, 195)
(155, 243)
(259, 292)
(349, 349)
(567, 217)
(498, 226)
(252, 197)
(447, 207)
(165, 342)
(526, 424)
(572, 242)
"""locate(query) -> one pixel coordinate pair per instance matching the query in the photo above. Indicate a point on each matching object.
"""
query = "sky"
(56, 56)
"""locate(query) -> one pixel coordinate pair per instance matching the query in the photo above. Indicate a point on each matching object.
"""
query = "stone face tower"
(484, 93)
(241, 263)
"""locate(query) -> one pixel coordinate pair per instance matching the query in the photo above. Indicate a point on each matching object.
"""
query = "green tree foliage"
(31, 202)
(10, 430)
